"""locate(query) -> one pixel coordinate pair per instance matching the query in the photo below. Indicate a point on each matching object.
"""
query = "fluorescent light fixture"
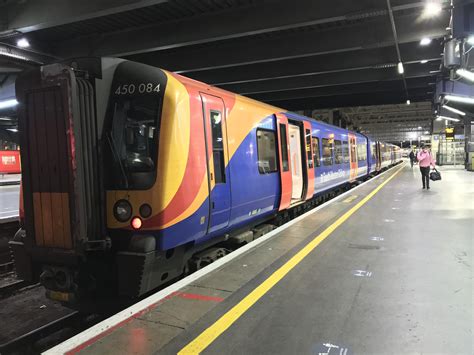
(8, 103)
(419, 127)
(425, 41)
(469, 75)
(448, 118)
(5, 118)
(462, 99)
(23, 43)
(408, 102)
(455, 110)
(426, 132)
(470, 40)
(432, 9)
(424, 61)
(400, 68)
(12, 129)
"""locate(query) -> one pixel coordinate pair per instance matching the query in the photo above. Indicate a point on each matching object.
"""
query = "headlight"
(122, 210)
(145, 210)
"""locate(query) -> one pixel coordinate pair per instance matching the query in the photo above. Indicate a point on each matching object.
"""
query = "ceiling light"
(424, 61)
(400, 68)
(5, 118)
(426, 132)
(462, 99)
(12, 129)
(455, 110)
(419, 127)
(8, 103)
(432, 9)
(448, 118)
(470, 40)
(469, 75)
(23, 43)
(425, 41)
(408, 102)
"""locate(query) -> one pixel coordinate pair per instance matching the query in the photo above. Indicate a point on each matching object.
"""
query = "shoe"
(423, 187)
(428, 188)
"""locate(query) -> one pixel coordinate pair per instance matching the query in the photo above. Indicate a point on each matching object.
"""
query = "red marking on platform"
(192, 296)
(106, 332)
(195, 296)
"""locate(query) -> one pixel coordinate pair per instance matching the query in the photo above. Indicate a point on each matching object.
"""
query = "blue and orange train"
(133, 174)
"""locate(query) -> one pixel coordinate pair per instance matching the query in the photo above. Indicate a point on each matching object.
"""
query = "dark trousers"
(425, 176)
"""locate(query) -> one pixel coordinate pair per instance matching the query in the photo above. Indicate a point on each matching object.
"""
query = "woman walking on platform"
(425, 160)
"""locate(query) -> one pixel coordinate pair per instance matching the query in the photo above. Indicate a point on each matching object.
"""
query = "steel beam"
(383, 86)
(374, 33)
(362, 99)
(335, 62)
(330, 79)
(27, 16)
(259, 19)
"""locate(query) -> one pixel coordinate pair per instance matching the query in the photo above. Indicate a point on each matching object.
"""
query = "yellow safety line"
(222, 324)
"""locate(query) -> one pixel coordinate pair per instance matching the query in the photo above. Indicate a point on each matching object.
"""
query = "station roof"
(300, 55)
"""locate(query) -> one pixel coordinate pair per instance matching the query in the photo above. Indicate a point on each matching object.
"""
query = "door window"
(217, 147)
(284, 148)
(353, 151)
(309, 156)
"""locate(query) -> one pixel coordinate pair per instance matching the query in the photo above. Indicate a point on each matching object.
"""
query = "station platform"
(386, 268)
(9, 201)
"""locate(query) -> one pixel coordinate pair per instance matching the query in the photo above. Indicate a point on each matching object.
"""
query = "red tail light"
(136, 223)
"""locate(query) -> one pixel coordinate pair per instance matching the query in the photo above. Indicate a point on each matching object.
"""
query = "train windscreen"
(133, 126)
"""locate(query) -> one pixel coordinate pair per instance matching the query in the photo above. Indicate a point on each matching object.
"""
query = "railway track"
(30, 342)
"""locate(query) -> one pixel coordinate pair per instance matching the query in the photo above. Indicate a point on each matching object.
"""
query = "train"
(133, 175)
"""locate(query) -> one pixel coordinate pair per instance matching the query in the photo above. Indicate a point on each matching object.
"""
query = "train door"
(353, 155)
(217, 160)
(378, 156)
(285, 164)
(296, 162)
(309, 183)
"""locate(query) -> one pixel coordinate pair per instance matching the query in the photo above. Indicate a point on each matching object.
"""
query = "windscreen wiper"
(111, 142)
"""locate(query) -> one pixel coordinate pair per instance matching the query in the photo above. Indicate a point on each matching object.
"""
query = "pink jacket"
(425, 159)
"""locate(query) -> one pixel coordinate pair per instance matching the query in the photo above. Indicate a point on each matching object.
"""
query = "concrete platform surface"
(9, 203)
(394, 278)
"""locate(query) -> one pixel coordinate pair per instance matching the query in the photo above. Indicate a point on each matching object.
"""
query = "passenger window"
(266, 147)
(309, 156)
(316, 154)
(327, 151)
(284, 148)
(345, 152)
(361, 152)
(372, 151)
(338, 158)
(217, 147)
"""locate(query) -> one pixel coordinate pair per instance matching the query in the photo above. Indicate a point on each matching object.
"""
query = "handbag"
(435, 175)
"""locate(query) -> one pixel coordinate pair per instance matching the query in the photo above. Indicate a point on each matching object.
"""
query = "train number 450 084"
(142, 88)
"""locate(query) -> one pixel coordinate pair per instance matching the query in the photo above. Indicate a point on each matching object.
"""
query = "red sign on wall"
(10, 162)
